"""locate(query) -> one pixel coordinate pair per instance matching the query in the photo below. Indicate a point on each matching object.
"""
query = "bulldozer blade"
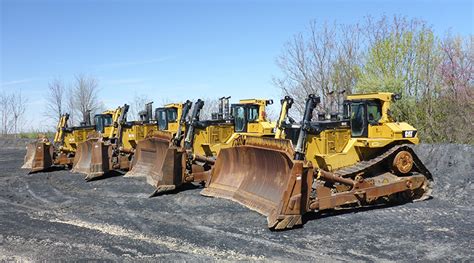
(39, 156)
(263, 177)
(149, 157)
(83, 157)
(100, 161)
(168, 174)
(30, 155)
(159, 162)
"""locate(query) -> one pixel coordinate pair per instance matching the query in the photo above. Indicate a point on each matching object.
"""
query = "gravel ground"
(57, 215)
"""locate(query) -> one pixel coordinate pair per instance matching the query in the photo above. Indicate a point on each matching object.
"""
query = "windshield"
(346, 110)
(107, 120)
(357, 119)
(102, 120)
(374, 112)
(172, 114)
(239, 118)
(252, 113)
(161, 119)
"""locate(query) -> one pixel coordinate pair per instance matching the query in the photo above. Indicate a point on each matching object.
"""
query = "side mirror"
(396, 96)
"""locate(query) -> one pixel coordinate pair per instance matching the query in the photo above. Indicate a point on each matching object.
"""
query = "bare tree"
(71, 106)
(323, 61)
(137, 105)
(84, 94)
(210, 106)
(5, 113)
(18, 108)
(55, 99)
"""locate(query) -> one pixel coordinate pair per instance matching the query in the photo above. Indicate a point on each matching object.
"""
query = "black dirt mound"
(453, 168)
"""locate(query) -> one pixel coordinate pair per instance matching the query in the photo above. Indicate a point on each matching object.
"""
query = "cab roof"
(256, 101)
(383, 96)
(174, 105)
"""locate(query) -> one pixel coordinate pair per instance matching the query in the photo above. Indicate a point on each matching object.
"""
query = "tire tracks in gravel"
(188, 223)
(57, 194)
(171, 243)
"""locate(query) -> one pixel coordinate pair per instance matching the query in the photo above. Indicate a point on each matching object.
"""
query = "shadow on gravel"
(330, 213)
(106, 175)
(175, 191)
(49, 169)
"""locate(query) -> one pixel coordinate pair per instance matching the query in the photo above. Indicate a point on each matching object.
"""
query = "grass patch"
(34, 135)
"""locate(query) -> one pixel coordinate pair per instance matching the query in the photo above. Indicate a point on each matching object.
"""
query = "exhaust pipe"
(311, 103)
(149, 111)
(188, 141)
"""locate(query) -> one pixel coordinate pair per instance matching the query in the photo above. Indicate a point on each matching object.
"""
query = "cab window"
(358, 124)
(101, 121)
(172, 114)
(374, 112)
(161, 119)
(239, 118)
(346, 110)
(252, 113)
(107, 120)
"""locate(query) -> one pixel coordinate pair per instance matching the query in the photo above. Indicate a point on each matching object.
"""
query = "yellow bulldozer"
(182, 163)
(106, 126)
(42, 154)
(362, 159)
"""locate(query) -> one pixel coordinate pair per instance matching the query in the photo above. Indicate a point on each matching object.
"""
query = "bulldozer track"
(365, 166)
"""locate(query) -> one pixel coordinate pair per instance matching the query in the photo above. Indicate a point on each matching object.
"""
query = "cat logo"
(409, 134)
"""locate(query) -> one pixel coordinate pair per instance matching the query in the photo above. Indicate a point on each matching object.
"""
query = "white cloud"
(15, 82)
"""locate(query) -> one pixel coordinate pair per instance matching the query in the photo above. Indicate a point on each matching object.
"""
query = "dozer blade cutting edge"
(83, 157)
(39, 156)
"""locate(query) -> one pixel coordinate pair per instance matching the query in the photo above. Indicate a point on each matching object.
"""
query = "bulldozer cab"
(168, 116)
(369, 117)
(243, 114)
(109, 121)
(101, 121)
(361, 114)
(250, 115)
(246, 117)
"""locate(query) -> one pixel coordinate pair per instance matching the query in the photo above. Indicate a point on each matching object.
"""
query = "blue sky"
(174, 50)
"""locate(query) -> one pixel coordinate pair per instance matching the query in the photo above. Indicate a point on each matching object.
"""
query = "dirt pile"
(452, 166)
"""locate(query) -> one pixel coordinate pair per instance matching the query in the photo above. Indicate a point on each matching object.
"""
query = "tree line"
(434, 74)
